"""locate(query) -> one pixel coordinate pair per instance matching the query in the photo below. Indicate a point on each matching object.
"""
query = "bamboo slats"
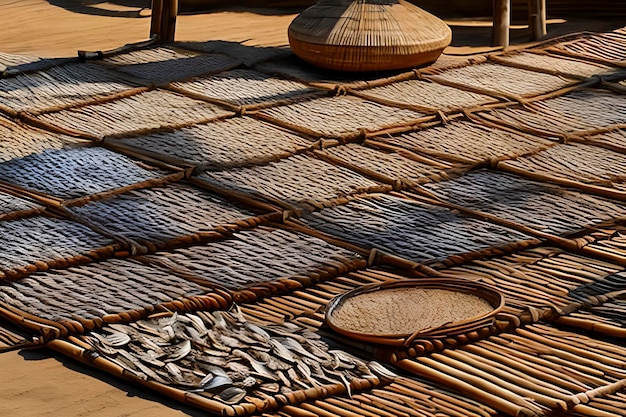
(412, 230)
(342, 116)
(607, 48)
(298, 180)
(165, 64)
(242, 87)
(75, 172)
(221, 144)
(563, 66)
(555, 210)
(141, 113)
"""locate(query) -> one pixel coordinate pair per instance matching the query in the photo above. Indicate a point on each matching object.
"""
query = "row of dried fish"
(225, 357)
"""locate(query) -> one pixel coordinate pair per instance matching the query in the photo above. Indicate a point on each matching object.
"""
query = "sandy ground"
(44, 384)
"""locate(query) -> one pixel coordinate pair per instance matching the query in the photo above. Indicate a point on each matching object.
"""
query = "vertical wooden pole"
(155, 19)
(168, 23)
(537, 18)
(501, 22)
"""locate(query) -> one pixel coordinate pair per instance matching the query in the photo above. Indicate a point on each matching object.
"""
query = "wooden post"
(537, 18)
(163, 21)
(501, 22)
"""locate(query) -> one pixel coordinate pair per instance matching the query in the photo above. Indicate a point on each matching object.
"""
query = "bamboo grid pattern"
(181, 216)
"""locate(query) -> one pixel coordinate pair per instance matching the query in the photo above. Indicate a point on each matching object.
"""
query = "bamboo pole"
(501, 22)
(155, 19)
(163, 21)
(537, 18)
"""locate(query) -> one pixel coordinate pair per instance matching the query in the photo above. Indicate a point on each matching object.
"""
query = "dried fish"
(232, 395)
(179, 351)
(256, 365)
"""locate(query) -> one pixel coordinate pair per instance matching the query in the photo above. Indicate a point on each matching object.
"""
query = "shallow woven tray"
(389, 167)
(298, 179)
(143, 112)
(425, 96)
(467, 142)
(540, 206)
(166, 64)
(589, 165)
(39, 243)
(339, 116)
(556, 65)
(409, 229)
(59, 86)
(258, 256)
(579, 111)
(19, 141)
(96, 291)
(500, 80)
(75, 172)
(446, 307)
(157, 216)
(249, 55)
(221, 144)
(243, 88)
(603, 47)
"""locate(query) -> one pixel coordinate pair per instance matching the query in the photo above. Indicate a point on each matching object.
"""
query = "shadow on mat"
(98, 7)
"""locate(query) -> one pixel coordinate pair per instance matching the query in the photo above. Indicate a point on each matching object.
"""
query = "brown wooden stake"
(501, 22)
(155, 20)
(168, 21)
(537, 18)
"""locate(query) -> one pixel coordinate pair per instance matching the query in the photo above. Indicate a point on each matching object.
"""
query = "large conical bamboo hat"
(368, 35)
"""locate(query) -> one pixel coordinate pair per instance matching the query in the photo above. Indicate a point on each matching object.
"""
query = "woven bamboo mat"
(589, 165)
(11, 60)
(12, 206)
(426, 96)
(412, 230)
(577, 112)
(467, 142)
(221, 144)
(538, 369)
(611, 403)
(141, 113)
(501, 81)
(261, 257)
(608, 240)
(248, 55)
(300, 179)
(19, 141)
(563, 66)
(76, 172)
(615, 139)
(395, 167)
(241, 87)
(608, 47)
(341, 116)
(160, 216)
(41, 242)
(62, 86)
(167, 64)
(554, 210)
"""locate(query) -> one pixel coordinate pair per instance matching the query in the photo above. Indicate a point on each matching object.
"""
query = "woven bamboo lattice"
(249, 55)
(537, 370)
(243, 88)
(608, 241)
(339, 116)
(157, 216)
(615, 139)
(253, 258)
(104, 290)
(59, 86)
(296, 180)
(221, 144)
(251, 367)
(75, 172)
(501, 81)
(579, 111)
(589, 165)
(11, 205)
(139, 113)
(567, 67)
(554, 210)
(467, 142)
(603, 47)
(409, 229)
(540, 278)
(425, 96)
(389, 167)
(19, 141)
(166, 64)
(39, 243)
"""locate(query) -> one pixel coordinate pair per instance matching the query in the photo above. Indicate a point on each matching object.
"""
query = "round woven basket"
(368, 35)
(447, 306)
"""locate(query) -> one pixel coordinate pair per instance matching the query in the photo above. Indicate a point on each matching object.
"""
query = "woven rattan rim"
(485, 292)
